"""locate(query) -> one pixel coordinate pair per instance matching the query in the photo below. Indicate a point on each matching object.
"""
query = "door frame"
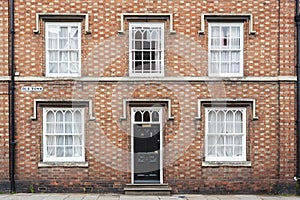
(160, 109)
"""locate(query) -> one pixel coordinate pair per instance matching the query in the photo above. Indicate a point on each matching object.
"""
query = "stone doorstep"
(147, 189)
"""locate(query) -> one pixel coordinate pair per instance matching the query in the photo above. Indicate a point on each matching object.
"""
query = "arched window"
(155, 116)
(146, 116)
(63, 134)
(138, 116)
(225, 135)
(146, 49)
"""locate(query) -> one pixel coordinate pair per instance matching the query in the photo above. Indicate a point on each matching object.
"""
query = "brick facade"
(4, 119)
(269, 81)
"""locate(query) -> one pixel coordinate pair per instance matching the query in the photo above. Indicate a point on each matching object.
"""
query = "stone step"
(147, 189)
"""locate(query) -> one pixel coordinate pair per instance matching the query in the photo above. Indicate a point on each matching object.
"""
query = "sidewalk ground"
(68, 196)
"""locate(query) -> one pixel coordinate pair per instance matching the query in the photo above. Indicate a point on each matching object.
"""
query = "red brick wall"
(261, 56)
(271, 141)
(4, 118)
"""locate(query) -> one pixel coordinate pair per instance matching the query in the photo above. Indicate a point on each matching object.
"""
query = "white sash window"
(225, 49)
(225, 138)
(63, 49)
(146, 49)
(63, 134)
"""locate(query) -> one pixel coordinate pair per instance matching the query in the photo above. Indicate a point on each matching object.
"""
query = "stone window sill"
(63, 164)
(226, 164)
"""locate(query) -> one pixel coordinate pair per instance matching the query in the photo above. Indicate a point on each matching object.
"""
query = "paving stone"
(127, 197)
(109, 197)
(248, 197)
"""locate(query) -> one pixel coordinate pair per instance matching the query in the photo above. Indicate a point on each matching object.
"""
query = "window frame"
(241, 50)
(45, 134)
(243, 134)
(160, 25)
(60, 24)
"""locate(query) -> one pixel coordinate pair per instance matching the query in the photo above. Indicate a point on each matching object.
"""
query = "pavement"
(67, 196)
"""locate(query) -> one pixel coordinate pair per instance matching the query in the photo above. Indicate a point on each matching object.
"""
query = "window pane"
(74, 38)
(68, 116)
(50, 140)
(212, 141)
(225, 67)
(212, 122)
(138, 66)
(77, 152)
(146, 55)
(154, 35)
(215, 43)
(220, 140)
(235, 31)
(211, 151)
(214, 56)
(77, 140)
(69, 151)
(155, 116)
(214, 67)
(238, 122)
(146, 67)
(74, 67)
(60, 151)
(220, 151)
(238, 151)
(50, 151)
(215, 31)
(220, 122)
(146, 45)
(73, 43)
(52, 37)
(53, 67)
(146, 34)
(53, 56)
(138, 55)
(153, 66)
(69, 140)
(52, 31)
(225, 56)
(74, 56)
(63, 67)
(229, 122)
(138, 45)
(146, 116)
(229, 151)
(235, 56)
(60, 140)
(63, 43)
(59, 122)
(63, 32)
(138, 116)
(235, 43)
(78, 122)
(235, 67)
(52, 43)
(212, 127)
(50, 122)
(138, 35)
(238, 140)
(225, 36)
(63, 56)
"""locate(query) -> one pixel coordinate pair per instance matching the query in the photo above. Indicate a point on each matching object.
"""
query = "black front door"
(146, 153)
